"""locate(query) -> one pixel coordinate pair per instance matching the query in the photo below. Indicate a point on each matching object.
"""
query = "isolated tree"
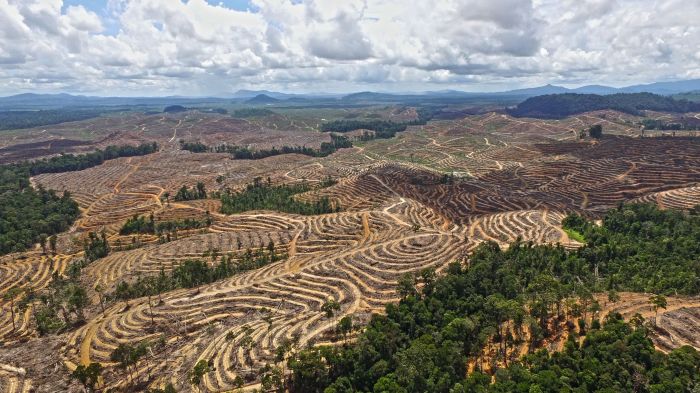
(100, 295)
(201, 191)
(406, 285)
(128, 356)
(247, 343)
(345, 326)
(596, 131)
(10, 296)
(88, 375)
(52, 243)
(196, 375)
(657, 302)
(76, 300)
(42, 242)
(330, 307)
(613, 296)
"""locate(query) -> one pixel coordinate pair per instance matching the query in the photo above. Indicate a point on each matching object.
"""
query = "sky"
(216, 47)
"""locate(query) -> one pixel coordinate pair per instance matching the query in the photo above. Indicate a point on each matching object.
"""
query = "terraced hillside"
(422, 199)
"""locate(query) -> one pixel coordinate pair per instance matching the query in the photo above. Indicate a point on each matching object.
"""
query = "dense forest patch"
(557, 106)
(11, 120)
(266, 196)
(525, 295)
(246, 153)
(28, 216)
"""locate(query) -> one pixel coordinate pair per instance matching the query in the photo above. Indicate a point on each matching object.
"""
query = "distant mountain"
(557, 106)
(262, 99)
(537, 91)
(248, 94)
(664, 88)
(31, 101)
(595, 89)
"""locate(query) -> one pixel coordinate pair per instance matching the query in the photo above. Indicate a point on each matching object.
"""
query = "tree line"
(681, 124)
(195, 272)
(142, 225)
(500, 300)
(199, 191)
(261, 195)
(11, 120)
(383, 129)
(557, 106)
(246, 153)
(71, 162)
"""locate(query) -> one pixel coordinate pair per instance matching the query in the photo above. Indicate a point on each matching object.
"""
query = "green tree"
(88, 375)
(10, 296)
(596, 131)
(657, 302)
(52, 243)
(196, 375)
(345, 326)
(330, 307)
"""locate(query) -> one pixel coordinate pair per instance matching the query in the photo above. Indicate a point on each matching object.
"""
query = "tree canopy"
(525, 294)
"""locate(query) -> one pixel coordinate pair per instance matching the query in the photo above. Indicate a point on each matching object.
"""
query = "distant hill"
(31, 101)
(690, 96)
(262, 99)
(174, 109)
(556, 106)
(248, 94)
(664, 88)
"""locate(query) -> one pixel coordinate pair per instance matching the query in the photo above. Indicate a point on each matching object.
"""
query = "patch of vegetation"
(95, 247)
(424, 343)
(143, 225)
(10, 120)
(174, 109)
(573, 234)
(28, 216)
(643, 249)
(187, 194)
(71, 162)
(557, 106)
(595, 131)
(252, 112)
(194, 147)
(245, 153)
(195, 272)
(685, 123)
(266, 196)
(383, 129)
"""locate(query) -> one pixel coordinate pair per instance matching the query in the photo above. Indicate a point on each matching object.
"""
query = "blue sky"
(100, 7)
(164, 47)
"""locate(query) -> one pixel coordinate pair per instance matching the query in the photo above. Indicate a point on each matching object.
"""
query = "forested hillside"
(28, 215)
(10, 120)
(525, 295)
(557, 106)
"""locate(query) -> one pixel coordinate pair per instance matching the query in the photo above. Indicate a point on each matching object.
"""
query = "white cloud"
(193, 47)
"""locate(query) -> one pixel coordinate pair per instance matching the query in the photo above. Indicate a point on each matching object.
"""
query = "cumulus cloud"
(197, 47)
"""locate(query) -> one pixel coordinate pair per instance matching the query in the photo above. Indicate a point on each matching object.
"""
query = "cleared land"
(422, 199)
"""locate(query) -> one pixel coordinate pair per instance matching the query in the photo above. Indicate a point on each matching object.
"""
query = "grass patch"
(576, 235)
